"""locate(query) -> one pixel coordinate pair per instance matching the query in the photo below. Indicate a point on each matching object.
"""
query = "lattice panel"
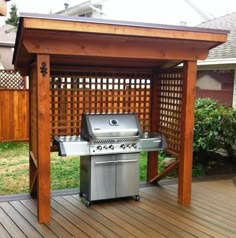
(96, 92)
(11, 79)
(170, 103)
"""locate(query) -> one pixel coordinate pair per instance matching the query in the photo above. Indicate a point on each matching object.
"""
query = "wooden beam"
(152, 166)
(152, 163)
(33, 159)
(43, 142)
(33, 155)
(33, 185)
(125, 49)
(116, 29)
(186, 153)
(69, 68)
(170, 168)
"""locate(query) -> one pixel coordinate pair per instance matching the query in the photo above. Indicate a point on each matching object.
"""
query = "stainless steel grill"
(109, 146)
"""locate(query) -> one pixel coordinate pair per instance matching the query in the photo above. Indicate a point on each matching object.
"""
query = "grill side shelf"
(71, 146)
(153, 142)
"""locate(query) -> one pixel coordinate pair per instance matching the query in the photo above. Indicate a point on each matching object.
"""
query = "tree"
(13, 19)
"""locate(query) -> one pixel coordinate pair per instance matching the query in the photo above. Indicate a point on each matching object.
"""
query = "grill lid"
(107, 126)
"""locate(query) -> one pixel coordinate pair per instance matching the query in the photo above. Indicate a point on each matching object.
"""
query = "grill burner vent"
(110, 141)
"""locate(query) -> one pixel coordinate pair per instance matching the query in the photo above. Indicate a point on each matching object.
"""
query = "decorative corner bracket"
(43, 69)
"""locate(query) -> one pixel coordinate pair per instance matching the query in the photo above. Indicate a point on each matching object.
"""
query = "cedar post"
(33, 132)
(152, 163)
(43, 125)
(186, 153)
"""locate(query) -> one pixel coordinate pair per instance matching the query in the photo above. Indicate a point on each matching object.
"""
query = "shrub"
(214, 128)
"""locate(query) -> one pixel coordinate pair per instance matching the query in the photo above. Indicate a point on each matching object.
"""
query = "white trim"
(216, 61)
(1, 66)
(7, 44)
(234, 91)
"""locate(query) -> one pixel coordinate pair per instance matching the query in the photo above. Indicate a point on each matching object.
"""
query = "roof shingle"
(228, 49)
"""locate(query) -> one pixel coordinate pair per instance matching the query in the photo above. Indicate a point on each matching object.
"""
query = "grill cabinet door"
(103, 170)
(127, 175)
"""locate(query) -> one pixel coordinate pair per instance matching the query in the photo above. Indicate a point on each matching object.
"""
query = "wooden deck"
(212, 214)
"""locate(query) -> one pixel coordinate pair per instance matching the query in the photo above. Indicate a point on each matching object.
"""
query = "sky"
(169, 10)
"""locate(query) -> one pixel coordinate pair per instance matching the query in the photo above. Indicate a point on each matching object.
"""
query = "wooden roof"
(79, 41)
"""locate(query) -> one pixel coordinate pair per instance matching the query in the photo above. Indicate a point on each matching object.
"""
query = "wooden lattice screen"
(11, 79)
(169, 101)
(97, 92)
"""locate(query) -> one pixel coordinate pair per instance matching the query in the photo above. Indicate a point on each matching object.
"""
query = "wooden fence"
(14, 115)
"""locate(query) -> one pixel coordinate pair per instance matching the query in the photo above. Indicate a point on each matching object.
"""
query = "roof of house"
(78, 9)
(228, 49)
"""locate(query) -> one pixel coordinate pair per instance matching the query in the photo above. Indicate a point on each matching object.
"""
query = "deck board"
(17, 219)
(183, 216)
(104, 231)
(54, 226)
(194, 216)
(208, 217)
(3, 232)
(10, 226)
(212, 213)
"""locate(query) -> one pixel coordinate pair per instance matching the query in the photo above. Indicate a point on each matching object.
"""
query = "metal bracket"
(43, 69)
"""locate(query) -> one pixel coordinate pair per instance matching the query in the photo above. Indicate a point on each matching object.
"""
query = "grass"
(14, 169)
(65, 171)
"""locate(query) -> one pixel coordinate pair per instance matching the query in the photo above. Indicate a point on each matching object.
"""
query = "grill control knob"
(111, 147)
(134, 146)
(129, 146)
(99, 147)
(122, 146)
(105, 147)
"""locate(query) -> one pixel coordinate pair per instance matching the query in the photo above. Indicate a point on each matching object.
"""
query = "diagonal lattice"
(11, 79)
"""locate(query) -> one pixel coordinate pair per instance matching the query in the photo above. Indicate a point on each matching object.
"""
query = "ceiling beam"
(113, 49)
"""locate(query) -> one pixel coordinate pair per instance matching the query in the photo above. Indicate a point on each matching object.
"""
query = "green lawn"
(65, 172)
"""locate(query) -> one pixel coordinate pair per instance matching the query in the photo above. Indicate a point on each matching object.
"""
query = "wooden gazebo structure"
(80, 65)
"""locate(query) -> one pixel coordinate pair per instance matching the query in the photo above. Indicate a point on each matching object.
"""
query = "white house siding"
(150, 11)
(1, 66)
(153, 11)
(234, 90)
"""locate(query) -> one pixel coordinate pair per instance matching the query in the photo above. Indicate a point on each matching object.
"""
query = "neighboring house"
(7, 42)
(212, 80)
(84, 9)
(154, 11)
(9, 78)
(220, 65)
(216, 84)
